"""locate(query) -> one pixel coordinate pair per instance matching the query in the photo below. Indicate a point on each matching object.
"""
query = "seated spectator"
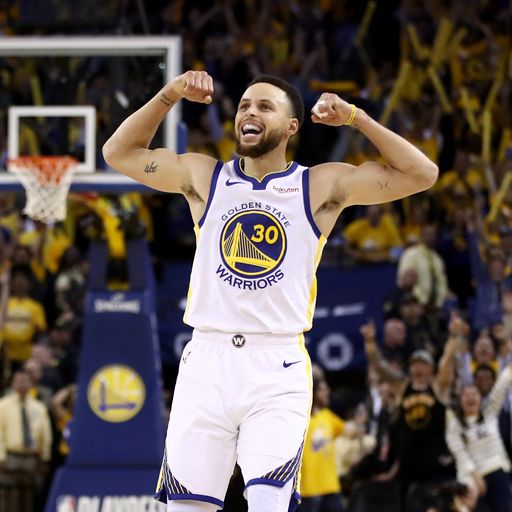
(431, 286)
(472, 433)
(374, 238)
(24, 321)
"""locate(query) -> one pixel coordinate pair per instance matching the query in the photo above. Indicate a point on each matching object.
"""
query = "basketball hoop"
(46, 180)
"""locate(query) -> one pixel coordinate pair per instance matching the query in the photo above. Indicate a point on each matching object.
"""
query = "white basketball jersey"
(257, 252)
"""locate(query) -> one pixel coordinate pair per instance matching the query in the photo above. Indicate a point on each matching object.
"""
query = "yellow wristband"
(352, 116)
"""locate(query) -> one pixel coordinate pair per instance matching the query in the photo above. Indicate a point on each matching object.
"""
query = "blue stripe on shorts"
(171, 489)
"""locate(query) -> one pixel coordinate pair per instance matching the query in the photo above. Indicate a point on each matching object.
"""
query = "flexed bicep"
(376, 183)
(407, 169)
(127, 150)
(160, 169)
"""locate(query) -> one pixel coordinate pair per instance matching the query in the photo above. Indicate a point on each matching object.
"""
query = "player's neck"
(259, 167)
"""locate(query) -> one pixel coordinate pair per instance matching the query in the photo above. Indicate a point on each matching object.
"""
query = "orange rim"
(47, 168)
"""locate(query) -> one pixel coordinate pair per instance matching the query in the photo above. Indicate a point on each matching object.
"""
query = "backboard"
(67, 95)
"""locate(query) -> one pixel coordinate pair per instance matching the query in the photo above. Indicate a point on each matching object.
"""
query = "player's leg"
(201, 438)
(267, 498)
(272, 433)
(191, 506)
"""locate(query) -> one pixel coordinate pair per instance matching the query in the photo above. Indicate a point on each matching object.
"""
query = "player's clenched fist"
(193, 86)
(330, 109)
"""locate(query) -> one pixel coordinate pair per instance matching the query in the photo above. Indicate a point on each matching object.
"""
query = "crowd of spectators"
(439, 72)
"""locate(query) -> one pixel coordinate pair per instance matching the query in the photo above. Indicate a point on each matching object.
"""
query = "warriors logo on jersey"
(253, 244)
(257, 252)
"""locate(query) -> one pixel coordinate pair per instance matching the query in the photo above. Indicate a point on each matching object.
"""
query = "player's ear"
(293, 126)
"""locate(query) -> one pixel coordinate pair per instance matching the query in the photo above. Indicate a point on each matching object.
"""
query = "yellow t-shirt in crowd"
(365, 236)
(23, 318)
(318, 474)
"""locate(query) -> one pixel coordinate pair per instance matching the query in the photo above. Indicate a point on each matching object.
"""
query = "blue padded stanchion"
(118, 428)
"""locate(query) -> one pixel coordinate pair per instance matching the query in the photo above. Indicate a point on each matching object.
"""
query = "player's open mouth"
(250, 131)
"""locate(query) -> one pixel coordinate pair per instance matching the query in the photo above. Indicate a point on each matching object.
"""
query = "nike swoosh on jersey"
(229, 183)
(287, 365)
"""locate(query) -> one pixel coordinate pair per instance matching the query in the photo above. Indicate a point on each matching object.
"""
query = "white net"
(46, 181)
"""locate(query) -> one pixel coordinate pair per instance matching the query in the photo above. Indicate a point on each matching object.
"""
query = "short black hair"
(291, 91)
(485, 367)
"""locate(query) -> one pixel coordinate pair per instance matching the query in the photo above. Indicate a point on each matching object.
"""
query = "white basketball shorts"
(238, 397)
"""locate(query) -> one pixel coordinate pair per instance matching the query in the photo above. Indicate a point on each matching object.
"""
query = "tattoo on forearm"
(166, 100)
(383, 186)
(152, 167)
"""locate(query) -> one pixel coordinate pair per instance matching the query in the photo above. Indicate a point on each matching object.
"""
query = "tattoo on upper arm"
(383, 186)
(166, 100)
(152, 167)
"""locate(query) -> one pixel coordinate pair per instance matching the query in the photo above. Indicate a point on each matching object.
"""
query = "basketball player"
(244, 386)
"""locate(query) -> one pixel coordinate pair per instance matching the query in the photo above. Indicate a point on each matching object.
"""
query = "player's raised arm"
(407, 170)
(127, 149)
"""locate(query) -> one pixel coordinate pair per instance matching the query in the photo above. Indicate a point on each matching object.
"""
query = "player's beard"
(265, 145)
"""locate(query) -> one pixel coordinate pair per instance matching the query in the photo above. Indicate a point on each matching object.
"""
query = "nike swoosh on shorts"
(286, 365)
